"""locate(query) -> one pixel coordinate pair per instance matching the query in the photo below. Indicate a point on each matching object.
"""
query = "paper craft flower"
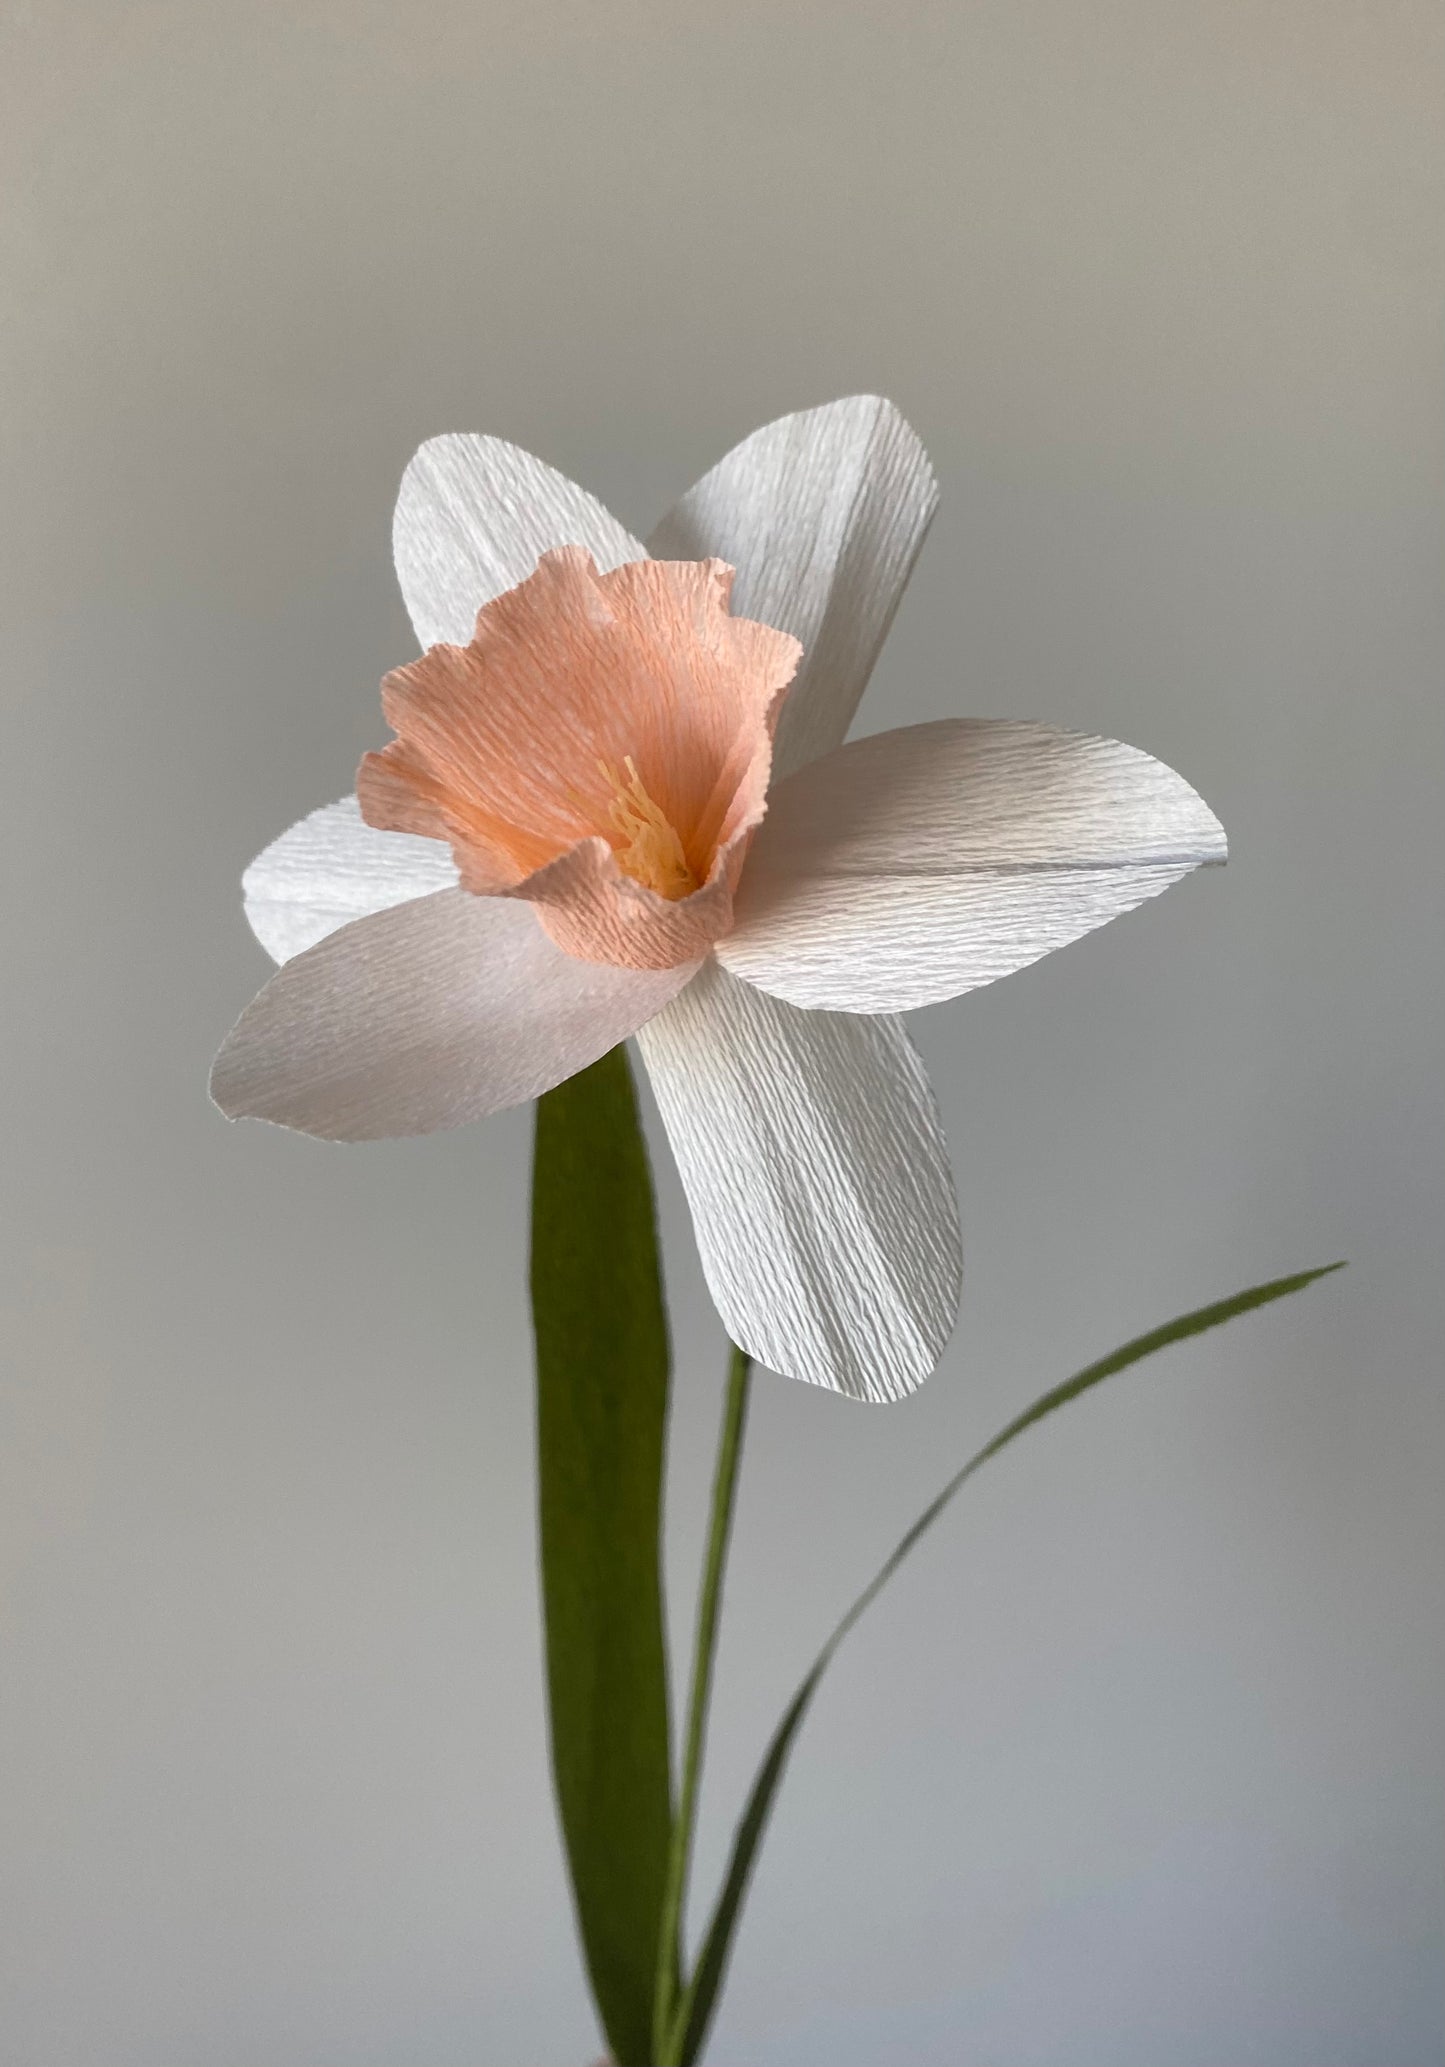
(614, 808)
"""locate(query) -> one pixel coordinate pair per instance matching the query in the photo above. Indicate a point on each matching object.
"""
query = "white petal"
(425, 1016)
(822, 514)
(332, 867)
(813, 1159)
(921, 863)
(473, 517)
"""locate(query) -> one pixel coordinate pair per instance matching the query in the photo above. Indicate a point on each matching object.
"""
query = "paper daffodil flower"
(619, 803)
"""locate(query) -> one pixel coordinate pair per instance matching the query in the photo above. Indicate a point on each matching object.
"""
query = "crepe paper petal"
(917, 864)
(473, 517)
(814, 1163)
(424, 1016)
(822, 514)
(331, 868)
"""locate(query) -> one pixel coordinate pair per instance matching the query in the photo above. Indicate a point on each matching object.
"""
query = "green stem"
(668, 2028)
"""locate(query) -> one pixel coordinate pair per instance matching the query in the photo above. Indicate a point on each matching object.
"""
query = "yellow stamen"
(652, 853)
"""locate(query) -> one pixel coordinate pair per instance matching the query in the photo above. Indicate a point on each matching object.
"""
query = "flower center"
(651, 853)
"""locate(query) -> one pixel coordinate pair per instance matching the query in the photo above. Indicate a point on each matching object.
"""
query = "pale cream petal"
(815, 1165)
(921, 863)
(474, 516)
(425, 1016)
(331, 868)
(822, 514)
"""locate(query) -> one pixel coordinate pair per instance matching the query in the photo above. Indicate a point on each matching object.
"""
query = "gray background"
(1140, 1764)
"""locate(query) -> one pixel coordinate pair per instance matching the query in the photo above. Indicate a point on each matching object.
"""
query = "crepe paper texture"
(619, 803)
(601, 748)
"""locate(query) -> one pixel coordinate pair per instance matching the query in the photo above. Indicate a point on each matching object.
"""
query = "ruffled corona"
(601, 748)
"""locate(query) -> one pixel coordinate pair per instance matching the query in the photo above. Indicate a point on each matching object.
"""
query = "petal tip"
(1206, 830)
(222, 1096)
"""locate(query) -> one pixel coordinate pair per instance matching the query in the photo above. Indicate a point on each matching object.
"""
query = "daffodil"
(619, 803)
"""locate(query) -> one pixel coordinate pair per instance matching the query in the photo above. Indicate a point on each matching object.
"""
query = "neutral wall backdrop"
(1140, 1764)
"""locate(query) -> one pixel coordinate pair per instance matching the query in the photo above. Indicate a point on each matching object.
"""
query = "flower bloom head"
(619, 802)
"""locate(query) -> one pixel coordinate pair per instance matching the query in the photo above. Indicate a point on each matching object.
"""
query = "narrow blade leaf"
(602, 1384)
(701, 1997)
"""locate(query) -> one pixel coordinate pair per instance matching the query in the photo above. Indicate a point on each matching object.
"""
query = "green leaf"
(700, 1999)
(602, 1381)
